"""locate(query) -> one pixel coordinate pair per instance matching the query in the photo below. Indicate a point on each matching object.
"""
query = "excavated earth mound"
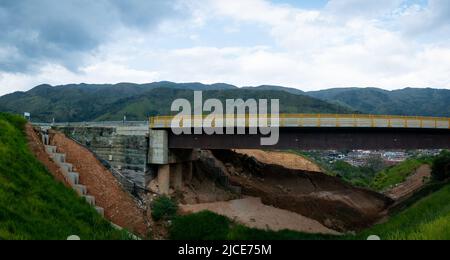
(327, 199)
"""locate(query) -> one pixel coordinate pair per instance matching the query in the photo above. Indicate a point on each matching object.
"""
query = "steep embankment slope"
(119, 206)
(33, 205)
(333, 203)
(395, 175)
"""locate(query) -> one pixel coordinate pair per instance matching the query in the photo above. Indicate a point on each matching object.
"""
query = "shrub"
(441, 166)
(204, 225)
(163, 207)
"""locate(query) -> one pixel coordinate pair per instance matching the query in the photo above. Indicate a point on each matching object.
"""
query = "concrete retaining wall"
(125, 149)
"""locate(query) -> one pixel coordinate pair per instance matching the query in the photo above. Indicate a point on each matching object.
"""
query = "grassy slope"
(427, 219)
(396, 174)
(32, 204)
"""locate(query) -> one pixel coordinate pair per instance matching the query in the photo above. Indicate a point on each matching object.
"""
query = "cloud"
(430, 20)
(253, 42)
(51, 31)
(362, 8)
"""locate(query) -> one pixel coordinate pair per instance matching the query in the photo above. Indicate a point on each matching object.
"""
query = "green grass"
(359, 176)
(206, 225)
(396, 174)
(427, 219)
(35, 206)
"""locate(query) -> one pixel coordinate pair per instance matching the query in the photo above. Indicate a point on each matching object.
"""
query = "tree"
(441, 166)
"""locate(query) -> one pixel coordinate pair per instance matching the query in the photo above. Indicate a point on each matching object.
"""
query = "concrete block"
(66, 167)
(100, 211)
(59, 157)
(73, 178)
(80, 189)
(89, 199)
(158, 147)
(50, 149)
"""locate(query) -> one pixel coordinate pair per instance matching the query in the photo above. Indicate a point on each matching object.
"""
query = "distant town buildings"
(363, 157)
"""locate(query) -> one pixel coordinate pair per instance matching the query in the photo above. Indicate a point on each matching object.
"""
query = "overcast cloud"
(342, 43)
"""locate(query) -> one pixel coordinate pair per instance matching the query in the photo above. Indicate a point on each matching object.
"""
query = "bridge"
(142, 151)
(324, 131)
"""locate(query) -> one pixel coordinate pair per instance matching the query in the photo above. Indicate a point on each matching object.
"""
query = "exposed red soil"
(119, 206)
(38, 149)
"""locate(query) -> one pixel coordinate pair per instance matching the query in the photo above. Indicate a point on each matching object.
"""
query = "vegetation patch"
(164, 208)
(427, 219)
(441, 167)
(206, 225)
(397, 174)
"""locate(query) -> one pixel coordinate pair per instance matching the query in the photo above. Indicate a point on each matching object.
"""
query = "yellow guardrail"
(326, 120)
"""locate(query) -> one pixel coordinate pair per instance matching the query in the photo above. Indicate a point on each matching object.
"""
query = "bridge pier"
(173, 176)
(164, 179)
(174, 166)
(176, 176)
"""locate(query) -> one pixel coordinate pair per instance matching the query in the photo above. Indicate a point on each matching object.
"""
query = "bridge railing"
(96, 124)
(317, 120)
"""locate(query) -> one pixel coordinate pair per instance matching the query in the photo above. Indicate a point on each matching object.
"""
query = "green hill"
(35, 206)
(158, 102)
(408, 101)
(85, 102)
(88, 102)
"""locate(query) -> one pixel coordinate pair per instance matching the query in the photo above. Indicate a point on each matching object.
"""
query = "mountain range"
(90, 102)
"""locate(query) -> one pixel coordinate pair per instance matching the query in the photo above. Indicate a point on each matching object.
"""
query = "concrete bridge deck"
(321, 132)
(326, 120)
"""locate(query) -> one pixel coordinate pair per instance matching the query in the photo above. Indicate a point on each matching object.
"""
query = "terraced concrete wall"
(124, 148)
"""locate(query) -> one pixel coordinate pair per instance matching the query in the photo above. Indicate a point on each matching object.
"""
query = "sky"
(304, 44)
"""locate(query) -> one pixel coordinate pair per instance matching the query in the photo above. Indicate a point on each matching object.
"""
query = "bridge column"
(176, 175)
(164, 179)
(189, 174)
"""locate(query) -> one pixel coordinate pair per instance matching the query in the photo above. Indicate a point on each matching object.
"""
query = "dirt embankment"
(326, 199)
(37, 148)
(119, 206)
(287, 160)
(412, 184)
